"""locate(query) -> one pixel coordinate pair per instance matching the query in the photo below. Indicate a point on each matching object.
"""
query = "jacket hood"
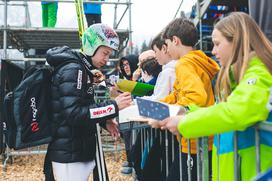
(202, 60)
(58, 55)
(133, 61)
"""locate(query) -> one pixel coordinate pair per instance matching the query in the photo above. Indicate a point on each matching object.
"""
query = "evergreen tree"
(136, 50)
(144, 46)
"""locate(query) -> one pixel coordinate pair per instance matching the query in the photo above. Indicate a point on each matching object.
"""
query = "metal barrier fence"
(261, 126)
(138, 128)
(146, 136)
(9, 153)
(202, 150)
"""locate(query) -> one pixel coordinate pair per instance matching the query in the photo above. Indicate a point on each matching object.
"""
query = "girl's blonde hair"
(247, 40)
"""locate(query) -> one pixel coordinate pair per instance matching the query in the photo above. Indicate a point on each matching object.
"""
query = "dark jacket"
(75, 112)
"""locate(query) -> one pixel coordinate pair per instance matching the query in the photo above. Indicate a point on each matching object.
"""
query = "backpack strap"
(47, 167)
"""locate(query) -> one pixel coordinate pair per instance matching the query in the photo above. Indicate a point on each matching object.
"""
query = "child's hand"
(171, 124)
(182, 111)
(136, 74)
(154, 123)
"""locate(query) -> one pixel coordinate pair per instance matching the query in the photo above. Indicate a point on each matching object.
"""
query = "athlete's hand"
(98, 76)
(112, 128)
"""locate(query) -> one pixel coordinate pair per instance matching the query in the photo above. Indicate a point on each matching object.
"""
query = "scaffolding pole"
(5, 29)
(200, 24)
(130, 28)
(27, 22)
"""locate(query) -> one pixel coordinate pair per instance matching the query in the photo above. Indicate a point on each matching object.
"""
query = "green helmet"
(99, 35)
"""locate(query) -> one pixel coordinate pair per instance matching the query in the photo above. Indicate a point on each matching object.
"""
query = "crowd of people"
(181, 75)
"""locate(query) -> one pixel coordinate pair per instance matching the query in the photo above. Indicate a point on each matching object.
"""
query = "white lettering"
(34, 108)
(34, 123)
(79, 79)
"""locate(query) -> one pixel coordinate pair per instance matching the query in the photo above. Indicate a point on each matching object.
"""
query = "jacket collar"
(86, 63)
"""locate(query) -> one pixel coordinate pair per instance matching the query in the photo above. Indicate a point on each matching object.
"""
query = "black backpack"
(27, 110)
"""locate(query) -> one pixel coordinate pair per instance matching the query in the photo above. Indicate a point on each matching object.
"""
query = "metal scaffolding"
(25, 37)
(206, 12)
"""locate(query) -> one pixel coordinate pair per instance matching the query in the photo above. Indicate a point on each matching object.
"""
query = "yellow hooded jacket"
(193, 85)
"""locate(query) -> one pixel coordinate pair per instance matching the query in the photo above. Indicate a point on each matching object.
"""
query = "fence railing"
(143, 134)
(146, 135)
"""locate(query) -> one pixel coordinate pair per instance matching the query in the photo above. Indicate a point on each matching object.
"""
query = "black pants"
(155, 164)
(93, 18)
(174, 173)
(127, 136)
(47, 167)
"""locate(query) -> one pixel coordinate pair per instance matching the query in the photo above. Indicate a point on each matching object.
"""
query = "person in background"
(244, 90)
(148, 54)
(124, 68)
(193, 85)
(150, 70)
(92, 12)
(167, 76)
(156, 158)
(128, 65)
(49, 14)
(75, 113)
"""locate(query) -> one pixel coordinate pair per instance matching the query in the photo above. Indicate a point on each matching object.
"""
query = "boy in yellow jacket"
(193, 84)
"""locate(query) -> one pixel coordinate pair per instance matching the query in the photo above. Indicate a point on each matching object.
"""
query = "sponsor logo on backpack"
(34, 124)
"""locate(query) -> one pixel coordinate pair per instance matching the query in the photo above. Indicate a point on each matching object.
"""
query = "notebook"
(156, 110)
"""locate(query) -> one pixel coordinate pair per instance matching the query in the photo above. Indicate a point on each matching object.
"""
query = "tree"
(144, 46)
(136, 50)
(127, 51)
